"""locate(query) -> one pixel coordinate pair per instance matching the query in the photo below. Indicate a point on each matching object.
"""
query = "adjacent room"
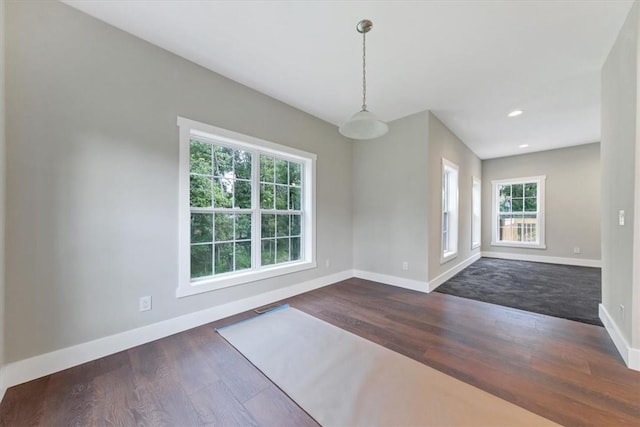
(285, 213)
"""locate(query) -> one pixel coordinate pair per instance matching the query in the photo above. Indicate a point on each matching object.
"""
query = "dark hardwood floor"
(566, 371)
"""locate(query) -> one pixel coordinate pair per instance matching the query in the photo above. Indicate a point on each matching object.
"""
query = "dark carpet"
(557, 290)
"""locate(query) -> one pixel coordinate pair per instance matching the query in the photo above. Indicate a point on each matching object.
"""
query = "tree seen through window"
(222, 209)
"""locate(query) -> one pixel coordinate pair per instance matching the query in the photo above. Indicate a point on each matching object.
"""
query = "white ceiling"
(470, 62)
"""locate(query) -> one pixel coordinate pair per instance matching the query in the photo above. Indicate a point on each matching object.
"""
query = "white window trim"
(477, 244)
(452, 231)
(186, 286)
(540, 244)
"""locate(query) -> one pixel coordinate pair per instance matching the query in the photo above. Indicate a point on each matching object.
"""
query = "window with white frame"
(246, 209)
(449, 248)
(518, 212)
(476, 193)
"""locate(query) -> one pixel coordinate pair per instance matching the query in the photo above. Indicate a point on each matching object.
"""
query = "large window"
(518, 212)
(476, 188)
(449, 249)
(246, 208)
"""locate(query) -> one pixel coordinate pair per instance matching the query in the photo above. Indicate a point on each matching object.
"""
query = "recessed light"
(523, 145)
(515, 113)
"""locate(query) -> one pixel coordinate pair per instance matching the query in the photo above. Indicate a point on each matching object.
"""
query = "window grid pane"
(221, 182)
(517, 212)
(221, 178)
(280, 193)
(449, 228)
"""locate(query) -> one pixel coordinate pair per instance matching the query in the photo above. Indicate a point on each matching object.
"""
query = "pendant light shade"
(364, 124)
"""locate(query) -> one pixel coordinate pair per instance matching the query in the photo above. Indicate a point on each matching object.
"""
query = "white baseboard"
(634, 359)
(3, 389)
(401, 282)
(542, 258)
(38, 366)
(439, 280)
(630, 355)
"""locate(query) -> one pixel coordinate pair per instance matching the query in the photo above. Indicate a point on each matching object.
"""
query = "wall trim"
(630, 355)
(3, 389)
(543, 258)
(401, 282)
(634, 359)
(440, 279)
(38, 366)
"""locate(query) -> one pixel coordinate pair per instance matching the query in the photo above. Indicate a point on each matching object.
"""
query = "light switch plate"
(621, 217)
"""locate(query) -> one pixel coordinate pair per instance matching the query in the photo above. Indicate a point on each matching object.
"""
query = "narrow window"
(449, 211)
(475, 212)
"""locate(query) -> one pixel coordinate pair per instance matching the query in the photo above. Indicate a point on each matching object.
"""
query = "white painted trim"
(3, 388)
(439, 280)
(45, 364)
(446, 257)
(256, 146)
(237, 138)
(543, 258)
(197, 287)
(416, 285)
(634, 359)
(519, 245)
(630, 355)
(454, 212)
(634, 356)
(401, 282)
(541, 196)
(476, 227)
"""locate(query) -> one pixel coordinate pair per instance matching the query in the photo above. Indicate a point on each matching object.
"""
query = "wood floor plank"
(241, 378)
(69, 395)
(190, 367)
(162, 400)
(271, 407)
(24, 404)
(217, 406)
(566, 371)
(113, 399)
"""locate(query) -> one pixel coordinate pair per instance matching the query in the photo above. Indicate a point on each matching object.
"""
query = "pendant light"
(364, 124)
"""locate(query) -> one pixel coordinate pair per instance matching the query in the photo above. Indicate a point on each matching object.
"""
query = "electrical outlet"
(145, 303)
(621, 313)
(327, 263)
(576, 249)
(405, 265)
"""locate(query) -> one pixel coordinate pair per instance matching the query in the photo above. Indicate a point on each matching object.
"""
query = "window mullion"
(198, 272)
(256, 229)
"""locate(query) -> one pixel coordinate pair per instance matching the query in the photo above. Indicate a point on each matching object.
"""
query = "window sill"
(448, 256)
(520, 245)
(475, 245)
(214, 284)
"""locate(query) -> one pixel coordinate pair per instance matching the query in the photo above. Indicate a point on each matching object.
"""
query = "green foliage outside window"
(221, 178)
(518, 197)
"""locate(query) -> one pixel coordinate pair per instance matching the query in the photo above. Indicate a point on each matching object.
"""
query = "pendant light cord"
(364, 124)
(364, 71)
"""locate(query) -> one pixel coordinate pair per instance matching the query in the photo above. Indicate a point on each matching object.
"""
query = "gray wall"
(390, 200)
(572, 199)
(619, 162)
(397, 198)
(2, 183)
(443, 143)
(92, 172)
